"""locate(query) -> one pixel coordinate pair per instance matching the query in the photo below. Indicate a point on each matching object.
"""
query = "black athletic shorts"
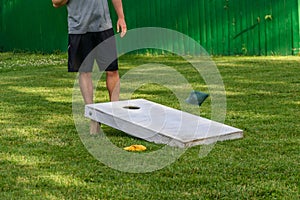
(85, 49)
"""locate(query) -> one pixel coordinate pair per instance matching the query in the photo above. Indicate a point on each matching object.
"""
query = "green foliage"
(42, 157)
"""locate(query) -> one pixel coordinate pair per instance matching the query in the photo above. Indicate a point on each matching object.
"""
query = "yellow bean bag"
(135, 147)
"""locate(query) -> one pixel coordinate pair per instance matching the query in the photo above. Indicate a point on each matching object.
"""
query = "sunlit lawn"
(42, 156)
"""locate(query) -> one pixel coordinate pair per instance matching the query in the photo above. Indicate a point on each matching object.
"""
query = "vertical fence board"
(232, 30)
(208, 26)
(248, 23)
(213, 29)
(298, 34)
(219, 9)
(238, 28)
(226, 28)
(295, 30)
(268, 20)
(201, 22)
(194, 22)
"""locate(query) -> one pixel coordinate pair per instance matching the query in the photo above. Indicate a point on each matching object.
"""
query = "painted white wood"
(160, 124)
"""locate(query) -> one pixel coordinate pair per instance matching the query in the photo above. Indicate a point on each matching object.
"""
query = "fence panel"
(222, 27)
(32, 25)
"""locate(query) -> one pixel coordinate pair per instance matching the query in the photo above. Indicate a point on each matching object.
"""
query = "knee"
(114, 74)
(85, 75)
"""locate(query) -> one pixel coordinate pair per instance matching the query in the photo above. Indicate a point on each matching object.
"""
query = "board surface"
(160, 124)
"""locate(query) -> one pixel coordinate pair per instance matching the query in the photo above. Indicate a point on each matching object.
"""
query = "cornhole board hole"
(160, 124)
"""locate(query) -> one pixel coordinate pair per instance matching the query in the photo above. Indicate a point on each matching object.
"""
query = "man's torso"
(88, 16)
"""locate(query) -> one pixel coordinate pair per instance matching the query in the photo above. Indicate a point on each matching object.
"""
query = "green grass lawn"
(42, 156)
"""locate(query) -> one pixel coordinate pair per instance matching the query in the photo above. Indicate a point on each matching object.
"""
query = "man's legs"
(86, 88)
(113, 85)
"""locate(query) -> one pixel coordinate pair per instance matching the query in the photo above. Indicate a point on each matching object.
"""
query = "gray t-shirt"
(88, 16)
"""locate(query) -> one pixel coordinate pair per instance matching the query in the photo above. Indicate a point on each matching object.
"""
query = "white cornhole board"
(160, 124)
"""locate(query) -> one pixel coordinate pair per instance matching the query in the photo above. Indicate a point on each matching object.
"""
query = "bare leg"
(86, 88)
(113, 85)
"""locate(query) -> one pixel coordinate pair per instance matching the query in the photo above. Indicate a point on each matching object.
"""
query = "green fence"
(222, 27)
(31, 25)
